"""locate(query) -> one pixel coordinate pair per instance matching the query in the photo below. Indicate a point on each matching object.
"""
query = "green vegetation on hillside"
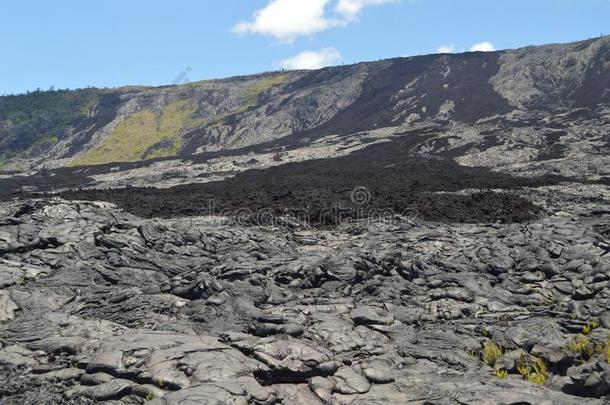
(252, 94)
(31, 123)
(143, 135)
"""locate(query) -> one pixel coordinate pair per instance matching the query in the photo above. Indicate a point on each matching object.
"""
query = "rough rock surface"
(102, 306)
(428, 230)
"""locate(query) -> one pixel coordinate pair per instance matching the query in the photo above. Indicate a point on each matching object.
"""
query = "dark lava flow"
(378, 181)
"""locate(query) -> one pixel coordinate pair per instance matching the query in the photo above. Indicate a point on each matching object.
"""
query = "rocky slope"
(98, 126)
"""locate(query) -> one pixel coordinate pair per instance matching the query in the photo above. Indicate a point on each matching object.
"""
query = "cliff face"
(98, 126)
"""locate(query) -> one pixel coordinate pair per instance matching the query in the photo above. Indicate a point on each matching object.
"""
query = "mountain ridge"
(241, 111)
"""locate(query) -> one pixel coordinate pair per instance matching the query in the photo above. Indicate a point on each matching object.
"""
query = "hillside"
(99, 126)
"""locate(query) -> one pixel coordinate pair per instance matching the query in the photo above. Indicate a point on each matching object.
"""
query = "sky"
(110, 43)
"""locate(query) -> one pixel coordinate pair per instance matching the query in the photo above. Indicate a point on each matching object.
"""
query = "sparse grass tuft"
(501, 373)
(537, 372)
(590, 327)
(491, 353)
(581, 346)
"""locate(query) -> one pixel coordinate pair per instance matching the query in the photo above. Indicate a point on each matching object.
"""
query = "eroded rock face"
(554, 74)
(100, 306)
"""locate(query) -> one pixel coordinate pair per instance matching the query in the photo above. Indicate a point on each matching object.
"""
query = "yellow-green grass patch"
(138, 133)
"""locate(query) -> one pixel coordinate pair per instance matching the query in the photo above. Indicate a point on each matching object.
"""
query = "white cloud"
(446, 49)
(287, 20)
(351, 8)
(483, 47)
(311, 59)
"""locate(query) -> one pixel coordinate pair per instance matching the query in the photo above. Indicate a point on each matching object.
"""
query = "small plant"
(541, 372)
(536, 373)
(150, 396)
(605, 350)
(590, 327)
(581, 345)
(523, 369)
(491, 353)
(501, 373)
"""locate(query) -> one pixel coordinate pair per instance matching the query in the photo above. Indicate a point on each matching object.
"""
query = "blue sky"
(75, 43)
